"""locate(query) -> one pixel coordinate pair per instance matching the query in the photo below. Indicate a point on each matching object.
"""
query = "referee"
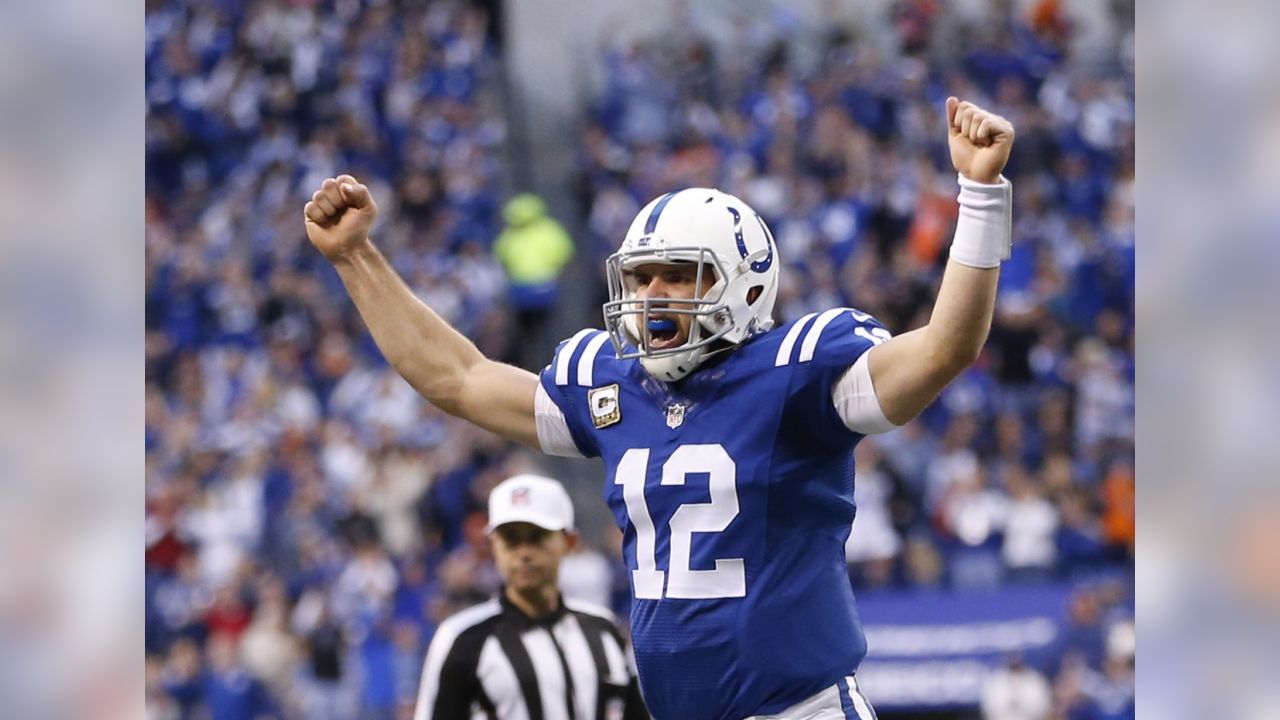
(529, 653)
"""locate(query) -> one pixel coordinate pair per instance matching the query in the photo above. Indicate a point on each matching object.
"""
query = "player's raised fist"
(980, 140)
(339, 216)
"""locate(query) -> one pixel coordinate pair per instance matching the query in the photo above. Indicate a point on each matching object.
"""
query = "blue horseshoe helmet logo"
(759, 265)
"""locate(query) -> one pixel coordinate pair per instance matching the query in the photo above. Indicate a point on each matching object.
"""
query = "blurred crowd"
(309, 519)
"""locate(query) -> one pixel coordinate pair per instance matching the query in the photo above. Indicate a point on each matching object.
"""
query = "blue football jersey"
(734, 492)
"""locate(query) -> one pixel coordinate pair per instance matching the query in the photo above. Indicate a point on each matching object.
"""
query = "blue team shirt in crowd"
(734, 491)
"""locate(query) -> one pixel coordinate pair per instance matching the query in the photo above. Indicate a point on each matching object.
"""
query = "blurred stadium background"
(309, 520)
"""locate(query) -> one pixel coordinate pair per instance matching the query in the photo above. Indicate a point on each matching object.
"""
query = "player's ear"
(570, 540)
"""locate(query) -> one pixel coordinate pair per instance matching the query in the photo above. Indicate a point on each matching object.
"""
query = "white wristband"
(984, 231)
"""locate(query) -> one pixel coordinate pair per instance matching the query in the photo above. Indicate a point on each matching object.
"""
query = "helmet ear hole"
(754, 294)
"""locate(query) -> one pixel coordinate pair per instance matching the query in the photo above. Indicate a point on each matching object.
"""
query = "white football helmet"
(724, 237)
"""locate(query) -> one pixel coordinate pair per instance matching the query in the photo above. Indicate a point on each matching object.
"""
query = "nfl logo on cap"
(531, 499)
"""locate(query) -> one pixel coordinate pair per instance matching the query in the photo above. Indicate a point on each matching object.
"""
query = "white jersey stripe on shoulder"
(587, 362)
(815, 332)
(441, 644)
(566, 355)
(789, 342)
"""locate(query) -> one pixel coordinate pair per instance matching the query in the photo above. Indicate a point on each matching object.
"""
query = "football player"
(728, 443)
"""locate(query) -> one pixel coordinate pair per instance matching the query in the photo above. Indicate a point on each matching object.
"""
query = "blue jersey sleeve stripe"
(565, 356)
(846, 704)
(789, 342)
(587, 363)
(815, 333)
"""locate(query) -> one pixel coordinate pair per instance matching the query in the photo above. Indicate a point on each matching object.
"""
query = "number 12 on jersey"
(728, 579)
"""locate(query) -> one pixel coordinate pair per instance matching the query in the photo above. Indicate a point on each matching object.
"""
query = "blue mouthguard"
(662, 325)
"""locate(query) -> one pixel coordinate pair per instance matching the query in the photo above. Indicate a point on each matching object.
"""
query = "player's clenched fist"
(339, 216)
(980, 140)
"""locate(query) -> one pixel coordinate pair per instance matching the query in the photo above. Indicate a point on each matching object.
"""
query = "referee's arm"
(448, 684)
(635, 709)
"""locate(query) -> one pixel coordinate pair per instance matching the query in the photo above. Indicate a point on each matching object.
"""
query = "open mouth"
(662, 333)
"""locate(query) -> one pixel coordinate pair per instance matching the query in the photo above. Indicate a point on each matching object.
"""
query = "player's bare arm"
(438, 361)
(910, 370)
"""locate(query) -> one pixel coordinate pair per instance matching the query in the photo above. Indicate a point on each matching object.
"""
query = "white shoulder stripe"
(811, 340)
(789, 342)
(441, 644)
(588, 360)
(566, 354)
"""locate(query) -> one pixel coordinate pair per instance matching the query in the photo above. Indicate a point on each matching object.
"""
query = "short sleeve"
(856, 402)
(554, 435)
(565, 383)
(822, 348)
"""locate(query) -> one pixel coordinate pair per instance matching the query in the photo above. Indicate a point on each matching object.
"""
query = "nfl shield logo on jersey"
(675, 415)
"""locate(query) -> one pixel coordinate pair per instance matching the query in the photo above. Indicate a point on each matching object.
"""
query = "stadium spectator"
(1030, 528)
(587, 575)
(1016, 692)
(533, 248)
(874, 543)
(232, 693)
(269, 651)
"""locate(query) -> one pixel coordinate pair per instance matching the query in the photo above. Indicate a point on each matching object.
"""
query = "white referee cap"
(532, 499)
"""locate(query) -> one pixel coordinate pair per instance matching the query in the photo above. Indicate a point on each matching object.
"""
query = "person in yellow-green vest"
(533, 249)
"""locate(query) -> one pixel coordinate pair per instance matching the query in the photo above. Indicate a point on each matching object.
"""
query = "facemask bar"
(623, 305)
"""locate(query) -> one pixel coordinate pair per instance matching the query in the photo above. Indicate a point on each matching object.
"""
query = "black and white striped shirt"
(493, 661)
